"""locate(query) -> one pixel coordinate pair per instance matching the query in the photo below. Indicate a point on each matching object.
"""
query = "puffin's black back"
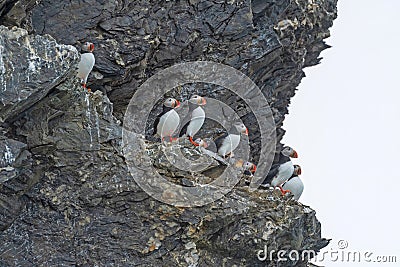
(220, 139)
(272, 173)
(283, 159)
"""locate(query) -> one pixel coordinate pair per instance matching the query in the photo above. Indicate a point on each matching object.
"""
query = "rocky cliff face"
(66, 195)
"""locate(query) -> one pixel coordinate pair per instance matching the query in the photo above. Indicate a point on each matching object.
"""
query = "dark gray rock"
(30, 67)
(67, 198)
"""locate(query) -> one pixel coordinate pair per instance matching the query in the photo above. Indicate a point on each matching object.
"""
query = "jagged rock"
(71, 200)
(11, 152)
(30, 66)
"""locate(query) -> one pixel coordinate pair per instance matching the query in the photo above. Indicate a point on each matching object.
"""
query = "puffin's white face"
(88, 47)
(201, 142)
(171, 103)
(198, 100)
(289, 152)
(241, 128)
(297, 170)
(248, 166)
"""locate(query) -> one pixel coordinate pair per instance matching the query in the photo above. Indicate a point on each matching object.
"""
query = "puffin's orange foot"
(283, 190)
(173, 138)
(89, 90)
(193, 142)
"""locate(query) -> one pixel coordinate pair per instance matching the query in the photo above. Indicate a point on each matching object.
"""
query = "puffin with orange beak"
(288, 153)
(86, 64)
(228, 142)
(208, 146)
(197, 116)
(294, 185)
(249, 168)
(285, 172)
(167, 122)
(281, 172)
(207, 143)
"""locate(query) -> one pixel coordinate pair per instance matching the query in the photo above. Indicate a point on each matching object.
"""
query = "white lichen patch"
(8, 155)
(3, 81)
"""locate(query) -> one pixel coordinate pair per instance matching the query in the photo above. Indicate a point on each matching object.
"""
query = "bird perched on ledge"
(86, 64)
(197, 116)
(168, 120)
(295, 186)
(249, 168)
(228, 142)
(285, 171)
(282, 171)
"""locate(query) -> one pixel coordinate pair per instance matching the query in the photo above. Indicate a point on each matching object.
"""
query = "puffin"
(284, 173)
(207, 146)
(168, 120)
(249, 168)
(197, 116)
(286, 153)
(86, 64)
(206, 143)
(228, 142)
(295, 186)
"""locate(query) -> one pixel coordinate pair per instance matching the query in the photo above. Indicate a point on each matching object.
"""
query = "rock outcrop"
(66, 195)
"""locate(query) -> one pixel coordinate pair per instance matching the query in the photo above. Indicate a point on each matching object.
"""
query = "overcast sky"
(345, 124)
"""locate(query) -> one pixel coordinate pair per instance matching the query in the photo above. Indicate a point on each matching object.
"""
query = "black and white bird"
(208, 146)
(86, 64)
(228, 142)
(285, 171)
(197, 116)
(295, 186)
(167, 122)
(207, 143)
(249, 168)
(286, 153)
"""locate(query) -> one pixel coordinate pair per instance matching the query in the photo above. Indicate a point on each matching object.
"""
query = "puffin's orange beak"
(91, 47)
(299, 171)
(177, 104)
(253, 168)
(203, 101)
(246, 132)
(294, 154)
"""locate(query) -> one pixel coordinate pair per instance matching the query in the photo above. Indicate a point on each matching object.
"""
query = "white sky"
(344, 123)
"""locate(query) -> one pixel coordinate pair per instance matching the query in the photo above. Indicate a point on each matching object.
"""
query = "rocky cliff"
(66, 195)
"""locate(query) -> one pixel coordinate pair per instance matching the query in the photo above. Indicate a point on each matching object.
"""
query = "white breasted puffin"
(86, 64)
(285, 171)
(228, 142)
(295, 186)
(285, 155)
(197, 116)
(167, 121)
(249, 168)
